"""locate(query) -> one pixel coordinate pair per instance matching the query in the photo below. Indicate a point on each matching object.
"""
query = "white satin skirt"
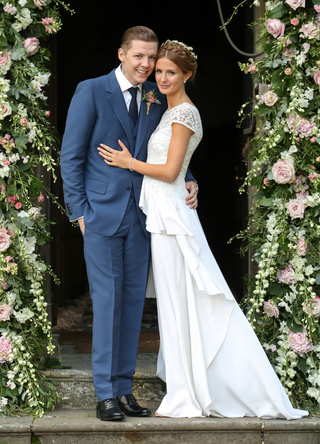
(210, 358)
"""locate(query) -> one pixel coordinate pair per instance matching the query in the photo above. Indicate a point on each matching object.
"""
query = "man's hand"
(191, 199)
(81, 225)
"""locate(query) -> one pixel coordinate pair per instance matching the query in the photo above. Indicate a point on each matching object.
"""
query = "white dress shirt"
(125, 85)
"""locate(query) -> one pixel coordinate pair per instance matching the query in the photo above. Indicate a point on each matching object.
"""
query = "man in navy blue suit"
(105, 201)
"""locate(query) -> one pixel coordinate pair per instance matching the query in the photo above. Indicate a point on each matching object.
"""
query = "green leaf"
(270, 175)
(276, 289)
(3, 40)
(278, 12)
(41, 241)
(302, 364)
(318, 279)
(265, 201)
(293, 326)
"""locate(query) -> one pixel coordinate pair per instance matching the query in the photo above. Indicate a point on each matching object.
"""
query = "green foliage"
(26, 141)
(282, 302)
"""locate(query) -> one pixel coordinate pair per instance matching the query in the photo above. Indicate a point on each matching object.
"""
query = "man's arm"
(79, 126)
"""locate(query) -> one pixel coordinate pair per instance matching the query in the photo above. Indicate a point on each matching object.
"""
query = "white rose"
(6, 110)
(39, 3)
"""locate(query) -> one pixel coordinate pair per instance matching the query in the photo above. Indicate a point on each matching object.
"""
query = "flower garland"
(26, 137)
(283, 303)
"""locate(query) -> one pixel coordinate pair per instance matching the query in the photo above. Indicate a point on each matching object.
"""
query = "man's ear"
(121, 54)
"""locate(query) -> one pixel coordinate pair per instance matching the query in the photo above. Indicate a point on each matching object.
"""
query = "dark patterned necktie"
(133, 107)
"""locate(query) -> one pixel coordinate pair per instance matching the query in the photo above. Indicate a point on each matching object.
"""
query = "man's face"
(138, 63)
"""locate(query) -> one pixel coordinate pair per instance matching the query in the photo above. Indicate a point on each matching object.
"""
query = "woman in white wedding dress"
(210, 358)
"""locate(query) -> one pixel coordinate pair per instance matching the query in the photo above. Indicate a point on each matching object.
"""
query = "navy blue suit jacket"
(93, 189)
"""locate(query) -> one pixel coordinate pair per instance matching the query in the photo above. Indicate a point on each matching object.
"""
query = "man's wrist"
(196, 183)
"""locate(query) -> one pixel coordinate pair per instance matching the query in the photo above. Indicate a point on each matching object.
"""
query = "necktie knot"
(133, 107)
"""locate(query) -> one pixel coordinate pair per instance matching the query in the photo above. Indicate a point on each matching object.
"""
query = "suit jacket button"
(128, 188)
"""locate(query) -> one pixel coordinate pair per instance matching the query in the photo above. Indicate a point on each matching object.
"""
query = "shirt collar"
(124, 82)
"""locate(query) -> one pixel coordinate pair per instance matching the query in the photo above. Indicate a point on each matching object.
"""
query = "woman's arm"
(167, 172)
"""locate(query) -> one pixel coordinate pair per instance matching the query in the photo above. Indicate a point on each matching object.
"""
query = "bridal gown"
(210, 358)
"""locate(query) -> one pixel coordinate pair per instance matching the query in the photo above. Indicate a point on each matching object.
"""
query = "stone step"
(77, 426)
(75, 385)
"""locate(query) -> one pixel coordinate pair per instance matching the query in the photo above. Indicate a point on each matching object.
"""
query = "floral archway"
(283, 303)
(26, 141)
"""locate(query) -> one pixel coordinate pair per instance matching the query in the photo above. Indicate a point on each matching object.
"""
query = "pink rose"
(302, 247)
(287, 71)
(275, 27)
(270, 308)
(295, 208)
(4, 284)
(4, 241)
(299, 342)
(270, 98)
(266, 182)
(5, 59)
(295, 22)
(39, 3)
(6, 110)
(32, 45)
(287, 275)
(295, 4)
(317, 7)
(23, 121)
(313, 139)
(283, 172)
(316, 78)
(5, 349)
(310, 30)
(18, 205)
(5, 312)
(41, 198)
(48, 113)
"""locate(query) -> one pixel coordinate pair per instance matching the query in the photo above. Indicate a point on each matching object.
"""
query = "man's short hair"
(137, 33)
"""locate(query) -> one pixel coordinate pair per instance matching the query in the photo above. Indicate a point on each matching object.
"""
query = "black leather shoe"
(130, 407)
(108, 410)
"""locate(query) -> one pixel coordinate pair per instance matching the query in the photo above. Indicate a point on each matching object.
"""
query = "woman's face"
(169, 77)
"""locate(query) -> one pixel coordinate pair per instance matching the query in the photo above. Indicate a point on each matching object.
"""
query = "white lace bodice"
(158, 146)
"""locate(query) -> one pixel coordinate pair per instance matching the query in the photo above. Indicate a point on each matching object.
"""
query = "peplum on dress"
(210, 358)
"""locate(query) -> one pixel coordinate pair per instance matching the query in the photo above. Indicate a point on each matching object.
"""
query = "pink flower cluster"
(5, 349)
(10, 9)
(313, 307)
(270, 308)
(5, 59)
(301, 187)
(7, 143)
(31, 45)
(300, 342)
(49, 24)
(302, 125)
(271, 347)
(286, 276)
(14, 201)
(302, 247)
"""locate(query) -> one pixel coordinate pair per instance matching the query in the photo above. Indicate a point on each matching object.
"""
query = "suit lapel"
(144, 120)
(118, 105)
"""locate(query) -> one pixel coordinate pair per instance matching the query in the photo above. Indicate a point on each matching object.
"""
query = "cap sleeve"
(185, 115)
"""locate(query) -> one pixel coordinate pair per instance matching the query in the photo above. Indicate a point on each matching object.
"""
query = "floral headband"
(189, 48)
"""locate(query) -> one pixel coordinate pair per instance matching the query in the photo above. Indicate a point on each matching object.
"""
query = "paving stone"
(81, 427)
(15, 430)
(306, 431)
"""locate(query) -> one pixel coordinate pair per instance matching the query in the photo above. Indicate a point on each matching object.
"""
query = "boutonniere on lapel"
(150, 97)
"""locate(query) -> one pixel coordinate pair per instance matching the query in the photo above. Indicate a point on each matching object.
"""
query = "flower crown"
(189, 48)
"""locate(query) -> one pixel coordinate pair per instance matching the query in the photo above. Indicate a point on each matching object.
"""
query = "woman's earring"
(184, 81)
